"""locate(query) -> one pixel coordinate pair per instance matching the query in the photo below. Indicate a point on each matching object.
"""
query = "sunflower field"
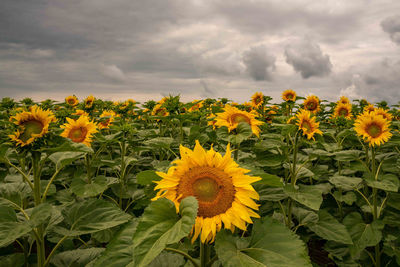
(303, 182)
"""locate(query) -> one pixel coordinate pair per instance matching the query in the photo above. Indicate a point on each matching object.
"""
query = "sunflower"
(80, 112)
(342, 110)
(257, 99)
(311, 103)
(80, 130)
(221, 187)
(72, 100)
(108, 116)
(231, 117)
(89, 101)
(307, 123)
(197, 105)
(373, 128)
(211, 120)
(344, 100)
(158, 110)
(386, 115)
(369, 108)
(32, 124)
(289, 95)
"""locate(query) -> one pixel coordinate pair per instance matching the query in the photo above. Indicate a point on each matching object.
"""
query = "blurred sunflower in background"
(72, 100)
(231, 117)
(158, 110)
(373, 128)
(311, 103)
(106, 118)
(344, 100)
(289, 95)
(307, 124)
(222, 189)
(342, 110)
(89, 101)
(369, 108)
(80, 112)
(257, 99)
(384, 114)
(80, 130)
(32, 124)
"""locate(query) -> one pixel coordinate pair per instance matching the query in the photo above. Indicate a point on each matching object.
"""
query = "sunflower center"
(343, 112)
(307, 126)
(311, 106)
(31, 127)
(71, 101)
(374, 130)
(238, 118)
(78, 135)
(212, 187)
(289, 96)
(258, 100)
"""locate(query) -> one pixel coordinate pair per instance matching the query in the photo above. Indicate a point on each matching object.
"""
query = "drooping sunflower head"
(384, 113)
(107, 117)
(344, 100)
(80, 130)
(257, 99)
(221, 187)
(80, 112)
(311, 103)
(289, 95)
(72, 100)
(342, 110)
(373, 128)
(89, 101)
(307, 124)
(232, 116)
(31, 124)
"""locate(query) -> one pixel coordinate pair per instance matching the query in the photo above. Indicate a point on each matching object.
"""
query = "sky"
(146, 49)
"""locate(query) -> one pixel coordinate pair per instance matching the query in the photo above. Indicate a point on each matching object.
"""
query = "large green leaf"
(10, 228)
(387, 182)
(12, 194)
(271, 245)
(61, 159)
(97, 185)
(119, 250)
(14, 260)
(347, 155)
(75, 258)
(147, 177)
(345, 183)
(91, 216)
(160, 226)
(329, 228)
(159, 142)
(270, 180)
(307, 195)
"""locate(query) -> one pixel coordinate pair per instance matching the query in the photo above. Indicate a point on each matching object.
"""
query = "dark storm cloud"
(307, 59)
(259, 64)
(391, 25)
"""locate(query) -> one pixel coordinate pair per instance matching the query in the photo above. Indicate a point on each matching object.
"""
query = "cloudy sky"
(144, 49)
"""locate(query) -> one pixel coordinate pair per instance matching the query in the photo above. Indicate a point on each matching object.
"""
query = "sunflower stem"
(204, 254)
(293, 175)
(375, 204)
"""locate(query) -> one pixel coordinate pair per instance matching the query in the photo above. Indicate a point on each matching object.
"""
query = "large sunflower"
(72, 100)
(257, 99)
(373, 128)
(289, 95)
(311, 103)
(231, 117)
(222, 188)
(342, 110)
(89, 101)
(80, 130)
(307, 123)
(31, 125)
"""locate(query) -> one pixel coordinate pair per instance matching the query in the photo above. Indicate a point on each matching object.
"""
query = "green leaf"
(147, 177)
(14, 260)
(91, 216)
(159, 142)
(347, 155)
(243, 132)
(160, 226)
(69, 145)
(270, 194)
(387, 182)
(305, 217)
(349, 198)
(10, 228)
(14, 193)
(40, 214)
(75, 258)
(83, 189)
(307, 195)
(62, 159)
(271, 245)
(345, 183)
(329, 228)
(270, 180)
(119, 251)
(363, 235)
(168, 259)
